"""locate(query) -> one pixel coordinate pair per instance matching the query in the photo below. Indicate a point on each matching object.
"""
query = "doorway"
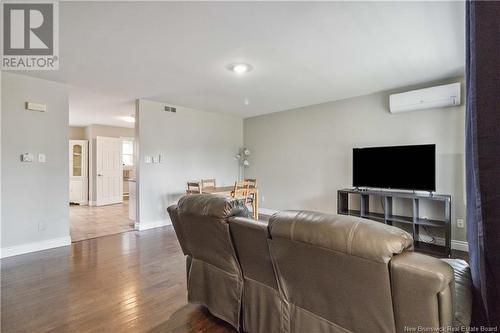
(109, 171)
(101, 169)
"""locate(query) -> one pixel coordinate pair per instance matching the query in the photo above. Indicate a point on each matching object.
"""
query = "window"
(128, 152)
(77, 160)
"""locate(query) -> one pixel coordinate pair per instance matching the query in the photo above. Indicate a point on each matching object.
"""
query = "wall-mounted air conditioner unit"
(428, 98)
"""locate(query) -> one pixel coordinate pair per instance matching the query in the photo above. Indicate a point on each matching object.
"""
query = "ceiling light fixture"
(240, 68)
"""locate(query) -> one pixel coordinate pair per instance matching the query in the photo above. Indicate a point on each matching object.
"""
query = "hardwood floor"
(90, 222)
(129, 282)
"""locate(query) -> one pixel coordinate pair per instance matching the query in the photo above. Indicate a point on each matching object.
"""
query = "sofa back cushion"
(346, 234)
(333, 270)
(204, 225)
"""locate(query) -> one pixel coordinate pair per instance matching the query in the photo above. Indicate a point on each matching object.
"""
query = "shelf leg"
(365, 204)
(387, 210)
(447, 213)
(342, 203)
(416, 214)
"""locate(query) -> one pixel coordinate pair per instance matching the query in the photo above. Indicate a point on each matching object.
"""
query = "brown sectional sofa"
(312, 272)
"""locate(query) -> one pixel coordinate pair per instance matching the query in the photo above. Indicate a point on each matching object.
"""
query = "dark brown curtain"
(483, 158)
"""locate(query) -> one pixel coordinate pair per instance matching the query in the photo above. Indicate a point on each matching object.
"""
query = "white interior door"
(109, 171)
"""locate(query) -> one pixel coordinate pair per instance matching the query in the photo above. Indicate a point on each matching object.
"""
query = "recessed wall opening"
(102, 180)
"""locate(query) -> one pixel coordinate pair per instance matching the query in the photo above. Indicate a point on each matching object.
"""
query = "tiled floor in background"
(90, 222)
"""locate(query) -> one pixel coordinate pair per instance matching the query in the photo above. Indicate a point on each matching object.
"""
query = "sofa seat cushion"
(463, 291)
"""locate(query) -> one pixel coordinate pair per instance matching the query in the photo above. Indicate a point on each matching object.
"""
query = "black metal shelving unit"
(389, 218)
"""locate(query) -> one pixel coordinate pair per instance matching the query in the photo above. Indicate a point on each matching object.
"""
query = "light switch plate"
(27, 157)
(147, 159)
(42, 158)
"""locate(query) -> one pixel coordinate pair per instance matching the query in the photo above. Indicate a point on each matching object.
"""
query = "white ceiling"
(302, 53)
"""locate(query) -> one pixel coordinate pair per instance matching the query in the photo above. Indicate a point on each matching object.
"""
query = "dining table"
(228, 190)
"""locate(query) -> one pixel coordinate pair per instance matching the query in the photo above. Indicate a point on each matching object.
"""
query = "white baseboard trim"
(150, 225)
(91, 203)
(459, 245)
(267, 211)
(35, 246)
(455, 244)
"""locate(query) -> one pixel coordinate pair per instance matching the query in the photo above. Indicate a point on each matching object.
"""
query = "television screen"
(396, 167)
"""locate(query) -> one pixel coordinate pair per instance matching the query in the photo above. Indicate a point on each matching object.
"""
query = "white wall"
(1, 160)
(194, 145)
(301, 157)
(35, 212)
(76, 133)
(95, 130)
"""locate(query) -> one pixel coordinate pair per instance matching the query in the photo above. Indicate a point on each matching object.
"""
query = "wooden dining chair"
(208, 183)
(193, 188)
(252, 182)
(243, 192)
(252, 185)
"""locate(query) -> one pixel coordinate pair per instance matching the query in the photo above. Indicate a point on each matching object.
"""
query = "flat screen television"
(395, 167)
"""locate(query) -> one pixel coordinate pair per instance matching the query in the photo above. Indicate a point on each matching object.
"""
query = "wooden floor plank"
(129, 282)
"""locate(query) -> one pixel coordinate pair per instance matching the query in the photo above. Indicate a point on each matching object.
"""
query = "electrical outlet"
(42, 158)
(460, 223)
(41, 226)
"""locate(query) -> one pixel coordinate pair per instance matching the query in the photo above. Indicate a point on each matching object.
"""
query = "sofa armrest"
(463, 292)
(422, 292)
(173, 212)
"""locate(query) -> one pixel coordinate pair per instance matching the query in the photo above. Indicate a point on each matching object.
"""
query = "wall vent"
(170, 109)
